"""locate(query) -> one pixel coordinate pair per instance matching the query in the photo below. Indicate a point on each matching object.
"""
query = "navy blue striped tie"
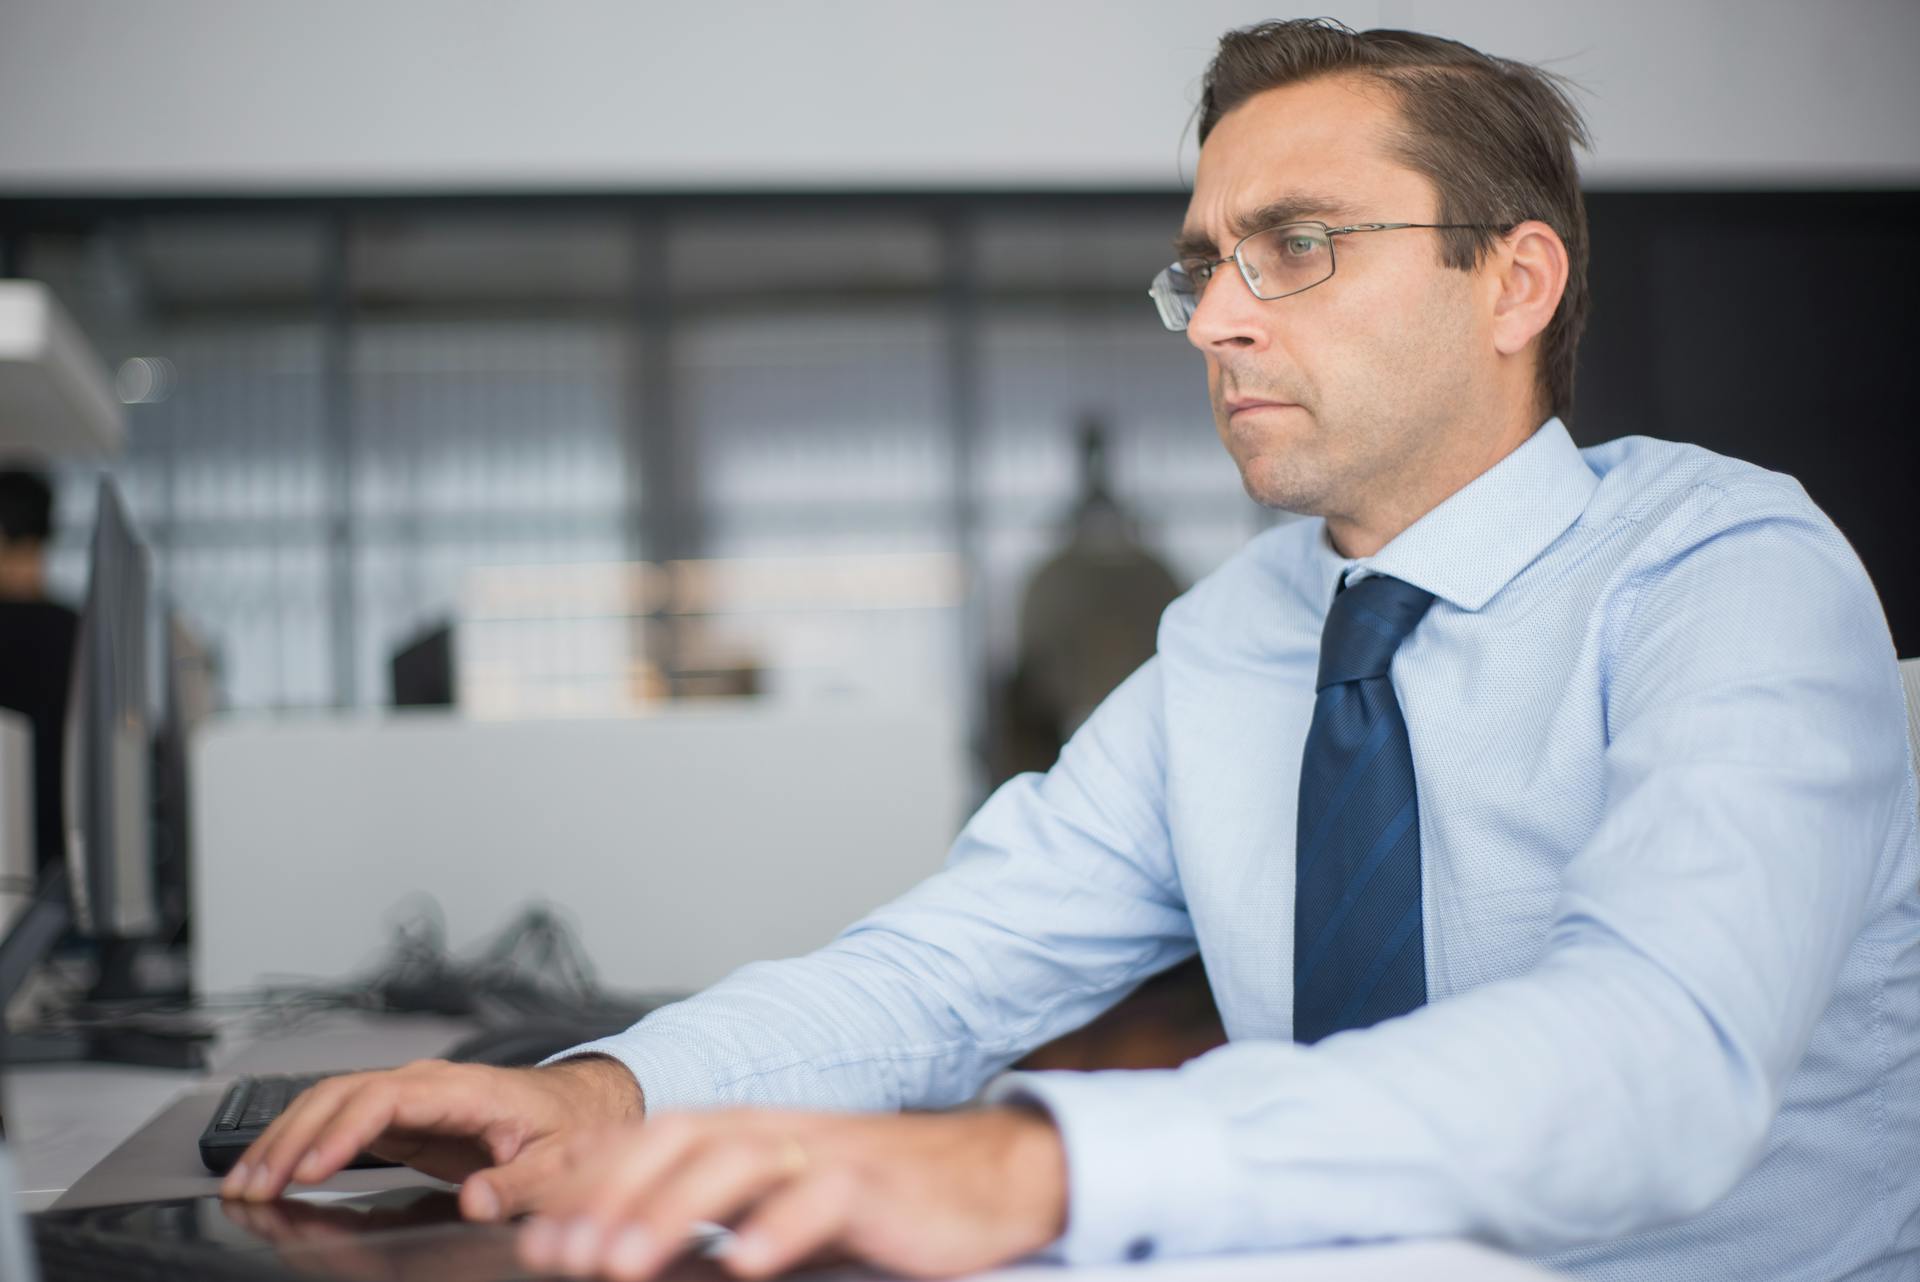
(1358, 952)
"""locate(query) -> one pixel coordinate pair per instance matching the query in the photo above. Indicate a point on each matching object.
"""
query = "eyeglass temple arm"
(1335, 231)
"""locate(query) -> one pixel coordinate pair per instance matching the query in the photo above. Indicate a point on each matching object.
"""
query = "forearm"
(801, 1033)
(914, 1008)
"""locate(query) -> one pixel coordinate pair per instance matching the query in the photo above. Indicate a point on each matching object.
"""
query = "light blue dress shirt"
(1671, 902)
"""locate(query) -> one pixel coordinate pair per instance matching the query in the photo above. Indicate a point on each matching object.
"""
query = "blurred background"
(776, 384)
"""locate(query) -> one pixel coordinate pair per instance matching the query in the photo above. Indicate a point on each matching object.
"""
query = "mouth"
(1250, 404)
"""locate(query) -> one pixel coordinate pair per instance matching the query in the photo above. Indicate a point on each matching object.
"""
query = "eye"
(1300, 246)
(1198, 270)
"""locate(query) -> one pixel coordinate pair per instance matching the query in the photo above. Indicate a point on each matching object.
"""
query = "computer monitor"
(422, 670)
(110, 730)
(104, 892)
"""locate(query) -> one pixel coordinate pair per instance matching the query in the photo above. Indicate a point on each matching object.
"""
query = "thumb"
(511, 1188)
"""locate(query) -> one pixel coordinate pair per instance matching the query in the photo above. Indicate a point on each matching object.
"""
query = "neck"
(1423, 485)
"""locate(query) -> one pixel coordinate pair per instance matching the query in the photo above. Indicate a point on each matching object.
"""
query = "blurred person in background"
(1088, 617)
(1544, 816)
(37, 638)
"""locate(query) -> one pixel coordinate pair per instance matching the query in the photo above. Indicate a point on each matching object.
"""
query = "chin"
(1278, 481)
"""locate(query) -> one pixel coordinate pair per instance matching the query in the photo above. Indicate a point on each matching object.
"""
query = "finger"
(361, 1118)
(240, 1174)
(628, 1159)
(421, 1105)
(617, 1166)
(515, 1187)
(647, 1187)
(716, 1181)
(791, 1224)
(263, 1170)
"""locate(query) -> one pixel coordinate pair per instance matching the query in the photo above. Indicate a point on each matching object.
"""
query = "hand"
(500, 1132)
(924, 1194)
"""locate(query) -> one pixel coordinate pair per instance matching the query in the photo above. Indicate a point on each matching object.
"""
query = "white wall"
(680, 845)
(189, 95)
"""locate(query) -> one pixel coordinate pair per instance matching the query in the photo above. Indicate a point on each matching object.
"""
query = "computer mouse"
(527, 1042)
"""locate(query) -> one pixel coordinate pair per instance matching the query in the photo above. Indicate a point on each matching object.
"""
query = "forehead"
(1327, 138)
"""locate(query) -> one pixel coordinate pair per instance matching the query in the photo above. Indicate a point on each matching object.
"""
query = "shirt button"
(1140, 1248)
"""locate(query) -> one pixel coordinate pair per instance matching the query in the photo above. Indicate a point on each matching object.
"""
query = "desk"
(94, 1134)
(67, 1118)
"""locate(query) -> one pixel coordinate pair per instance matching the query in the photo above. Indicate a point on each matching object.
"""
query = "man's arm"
(1755, 776)
(1058, 898)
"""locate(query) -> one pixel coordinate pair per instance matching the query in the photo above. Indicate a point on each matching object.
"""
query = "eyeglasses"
(1275, 262)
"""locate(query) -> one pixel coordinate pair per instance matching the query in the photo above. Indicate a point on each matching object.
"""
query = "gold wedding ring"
(793, 1158)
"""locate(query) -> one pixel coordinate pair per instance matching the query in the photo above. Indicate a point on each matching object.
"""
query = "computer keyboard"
(248, 1108)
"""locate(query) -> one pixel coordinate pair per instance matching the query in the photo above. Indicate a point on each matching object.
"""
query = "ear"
(1530, 274)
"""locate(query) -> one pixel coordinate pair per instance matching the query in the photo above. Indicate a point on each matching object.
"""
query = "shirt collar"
(1482, 535)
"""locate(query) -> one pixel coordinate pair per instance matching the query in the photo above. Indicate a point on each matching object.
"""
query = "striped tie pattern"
(1358, 951)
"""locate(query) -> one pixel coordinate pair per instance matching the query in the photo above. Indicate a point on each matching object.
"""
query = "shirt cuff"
(1148, 1167)
(672, 1073)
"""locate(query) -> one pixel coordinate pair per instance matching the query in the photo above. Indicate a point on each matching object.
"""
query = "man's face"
(1377, 369)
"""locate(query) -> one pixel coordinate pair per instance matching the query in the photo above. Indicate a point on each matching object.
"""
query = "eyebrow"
(1291, 208)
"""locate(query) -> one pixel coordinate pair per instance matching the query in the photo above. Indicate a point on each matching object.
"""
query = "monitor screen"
(110, 736)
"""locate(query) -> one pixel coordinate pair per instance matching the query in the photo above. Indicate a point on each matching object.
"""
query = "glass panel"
(817, 428)
(477, 444)
(821, 445)
(541, 258)
(802, 252)
(1077, 249)
(489, 365)
(227, 479)
(239, 259)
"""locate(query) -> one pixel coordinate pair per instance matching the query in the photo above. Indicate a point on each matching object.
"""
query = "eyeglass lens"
(1276, 262)
(1286, 260)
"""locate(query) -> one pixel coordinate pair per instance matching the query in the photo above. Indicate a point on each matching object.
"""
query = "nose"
(1228, 315)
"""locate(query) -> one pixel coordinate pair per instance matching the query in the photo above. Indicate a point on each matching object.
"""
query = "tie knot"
(1366, 625)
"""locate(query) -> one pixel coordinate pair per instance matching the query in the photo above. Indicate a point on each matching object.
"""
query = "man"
(1631, 978)
(37, 638)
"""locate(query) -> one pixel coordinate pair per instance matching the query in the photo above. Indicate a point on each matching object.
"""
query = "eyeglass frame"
(1162, 289)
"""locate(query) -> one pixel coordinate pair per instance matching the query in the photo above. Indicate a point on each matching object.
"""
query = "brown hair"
(1495, 137)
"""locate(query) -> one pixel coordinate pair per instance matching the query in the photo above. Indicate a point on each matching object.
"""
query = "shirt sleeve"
(1754, 771)
(1056, 900)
